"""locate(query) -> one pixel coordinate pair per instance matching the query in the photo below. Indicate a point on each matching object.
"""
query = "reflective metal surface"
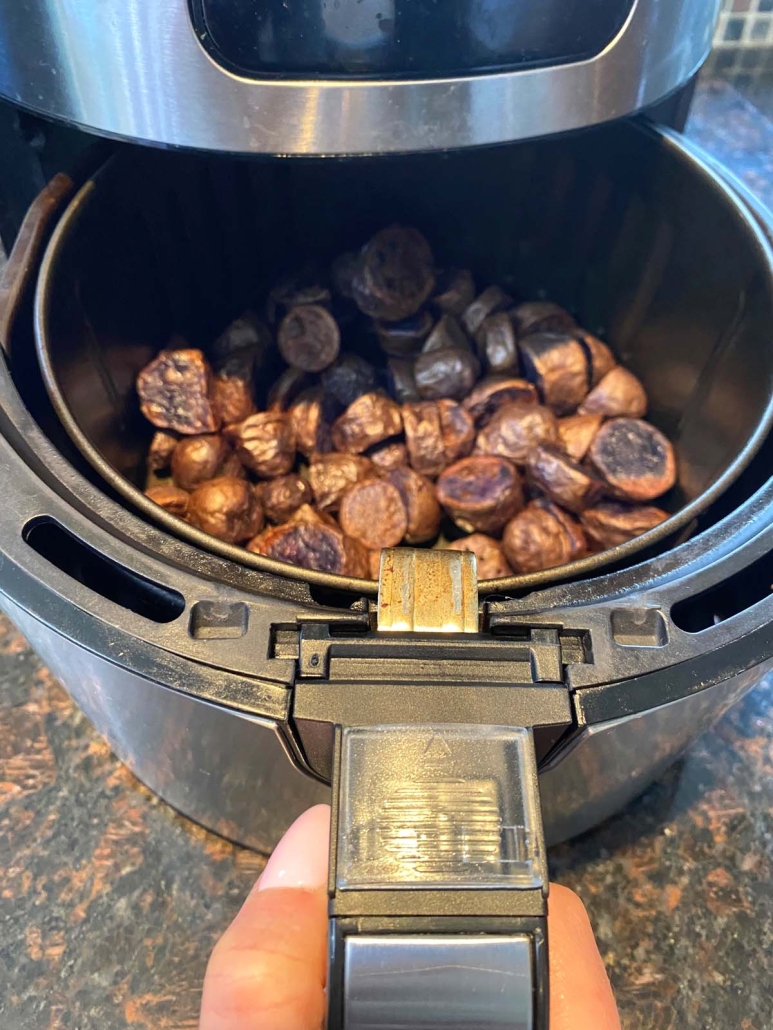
(427, 591)
(230, 772)
(613, 762)
(452, 983)
(135, 69)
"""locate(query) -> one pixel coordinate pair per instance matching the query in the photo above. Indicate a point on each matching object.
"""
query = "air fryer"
(239, 688)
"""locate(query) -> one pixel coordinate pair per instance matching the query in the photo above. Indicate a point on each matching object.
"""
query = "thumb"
(267, 972)
(580, 994)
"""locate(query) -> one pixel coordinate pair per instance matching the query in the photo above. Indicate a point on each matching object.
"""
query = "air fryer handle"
(438, 881)
(24, 257)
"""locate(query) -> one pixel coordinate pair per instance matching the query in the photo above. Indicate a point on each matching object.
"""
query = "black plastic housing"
(388, 38)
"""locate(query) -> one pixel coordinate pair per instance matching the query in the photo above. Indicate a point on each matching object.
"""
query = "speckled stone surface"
(731, 126)
(110, 901)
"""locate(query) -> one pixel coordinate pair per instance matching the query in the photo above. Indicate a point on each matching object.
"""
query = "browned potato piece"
(578, 541)
(535, 540)
(227, 508)
(600, 358)
(449, 372)
(245, 335)
(447, 334)
(618, 393)
(491, 560)
(493, 392)
(373, 513)
(374, 563)
(296, 290)
(635, 459)
(421, 504)
(309, 338)
(563, 480)
(612, 524)
(349, 378)
(161, 450)
(492, 300)
(424, 437)
(357, 558)
(313, 545)
(389, 455)
(343, 272)
(576, 433)
(367, 421)
(437, 433)
(558, 364)
(197, 459)
(402, 381)
(286, 388)
(541, 316)
(396, 274)
(405, 338)
(308, 514)
(283, 496)
(515, 429)
(457, 431)
(174, 391)
(265, 443)
(331, 475)
(481, 493)
(497, 346)
(233, 397)
(455, 291)
(171, 498)
(312, 415)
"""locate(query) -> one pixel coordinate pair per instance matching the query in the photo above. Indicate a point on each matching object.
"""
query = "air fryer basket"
(638, 238)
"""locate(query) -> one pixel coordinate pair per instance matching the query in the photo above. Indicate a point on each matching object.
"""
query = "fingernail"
(300, 859)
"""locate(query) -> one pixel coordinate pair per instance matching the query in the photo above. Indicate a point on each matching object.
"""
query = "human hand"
(267, 971)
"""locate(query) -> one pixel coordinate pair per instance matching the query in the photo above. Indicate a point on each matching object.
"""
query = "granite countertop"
(111, 901)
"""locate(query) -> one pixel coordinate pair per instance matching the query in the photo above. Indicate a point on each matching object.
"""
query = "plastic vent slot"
(728, 598)
(102, 575)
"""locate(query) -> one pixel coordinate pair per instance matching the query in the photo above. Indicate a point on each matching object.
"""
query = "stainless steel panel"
(230, 772)
(134, 68)
(613, 762)
(451, 983)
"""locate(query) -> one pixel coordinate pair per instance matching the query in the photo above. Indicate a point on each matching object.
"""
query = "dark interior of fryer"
(608, 223)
